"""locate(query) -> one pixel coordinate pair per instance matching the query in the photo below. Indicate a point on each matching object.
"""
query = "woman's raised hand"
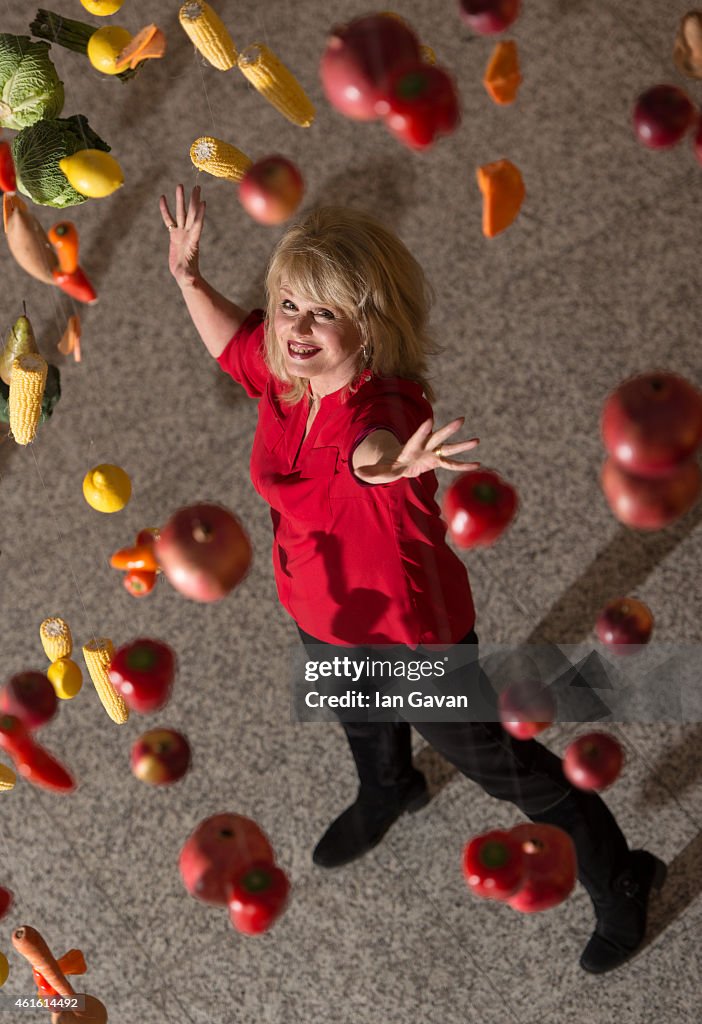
(424, 451)
(184, 230)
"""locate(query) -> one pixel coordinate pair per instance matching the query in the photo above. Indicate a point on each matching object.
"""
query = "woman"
(344, 453)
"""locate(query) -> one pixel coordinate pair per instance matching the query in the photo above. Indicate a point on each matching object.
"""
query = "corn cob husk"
(276, 84)
(56, 639)
(27, 386)
(219, 158)
(208, 34)
(98, 654)
(7, 778)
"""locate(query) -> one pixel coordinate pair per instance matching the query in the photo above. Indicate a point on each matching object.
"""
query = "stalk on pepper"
(74, 35)
(33, 761)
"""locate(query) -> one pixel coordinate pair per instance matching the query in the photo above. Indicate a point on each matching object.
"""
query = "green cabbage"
(36, 152)
(30, 88)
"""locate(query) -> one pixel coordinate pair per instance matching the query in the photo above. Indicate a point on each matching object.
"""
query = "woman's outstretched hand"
(184, 230)
(419, 454)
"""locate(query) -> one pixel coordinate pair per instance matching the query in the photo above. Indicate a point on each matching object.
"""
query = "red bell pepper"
(32, 760)
(142, 672)
(493, 865)
(139, 582)
(420, 104)
(257, 897)
(76, 285)
(550, 867)
(8, 178)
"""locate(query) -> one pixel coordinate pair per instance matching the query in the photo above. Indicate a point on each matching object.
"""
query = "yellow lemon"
(102, 7)
(7, 781)
(65, 677)
(92, 173)
(107, 488)
(4, 969)
(104, 47)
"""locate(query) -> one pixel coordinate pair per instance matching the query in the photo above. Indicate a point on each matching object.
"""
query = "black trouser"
(521, 771)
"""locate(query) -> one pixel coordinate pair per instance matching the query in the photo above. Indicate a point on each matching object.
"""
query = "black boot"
(621, 916)
(365, 822)
(618, 880)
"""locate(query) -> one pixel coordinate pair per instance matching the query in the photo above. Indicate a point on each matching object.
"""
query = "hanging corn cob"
(7, 778)
(276, 84)
(27, 386)
(56, 639)
(219, 158)
(208, 34)
(98, 655)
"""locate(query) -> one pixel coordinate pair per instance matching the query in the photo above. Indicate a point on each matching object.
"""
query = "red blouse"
(354, 563)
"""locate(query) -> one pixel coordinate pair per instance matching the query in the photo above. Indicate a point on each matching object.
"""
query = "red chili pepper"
(257, 897)
(33, 761)
(142, 672)
(421, 103)
(8, 178)
(139, 582)
(76, 285)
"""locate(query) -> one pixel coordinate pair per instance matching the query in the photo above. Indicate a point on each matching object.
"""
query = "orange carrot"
(64, 238)
(29, 944)
(502, 76)
(139, 557)
(149, 42)
(503, 194)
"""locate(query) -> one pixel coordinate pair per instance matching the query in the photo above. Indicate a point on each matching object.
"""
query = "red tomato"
(479, 506)
(493, 865)
(550, 867)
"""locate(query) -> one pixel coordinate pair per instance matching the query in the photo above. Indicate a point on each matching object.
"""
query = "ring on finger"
(438, 452)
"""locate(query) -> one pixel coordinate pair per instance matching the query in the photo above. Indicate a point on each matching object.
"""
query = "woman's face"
(317, 341)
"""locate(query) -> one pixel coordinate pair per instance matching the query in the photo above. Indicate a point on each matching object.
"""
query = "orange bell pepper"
(503, 194)
(502, 77)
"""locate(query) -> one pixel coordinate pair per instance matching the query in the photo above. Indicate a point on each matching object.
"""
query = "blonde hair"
(345, 258)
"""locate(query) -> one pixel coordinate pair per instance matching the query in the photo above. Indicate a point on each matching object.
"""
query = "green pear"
(20, 341)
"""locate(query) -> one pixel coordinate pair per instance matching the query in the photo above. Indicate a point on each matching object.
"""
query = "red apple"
(624, 622)
(479, 506)
(663, 115)
(6, 899)
(647, 504)
(160, 757)
(359, 59)
(526, 709)
(652, 422)
(30, 697)
(549, 864)
(486, 17)
(220, 848)
(204, 551)
(493, 865)
(271, 190)
(593, 761)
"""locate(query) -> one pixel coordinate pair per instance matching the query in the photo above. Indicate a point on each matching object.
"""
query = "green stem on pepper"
(73, 35)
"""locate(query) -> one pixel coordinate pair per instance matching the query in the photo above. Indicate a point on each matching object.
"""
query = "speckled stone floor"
(598, 279)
